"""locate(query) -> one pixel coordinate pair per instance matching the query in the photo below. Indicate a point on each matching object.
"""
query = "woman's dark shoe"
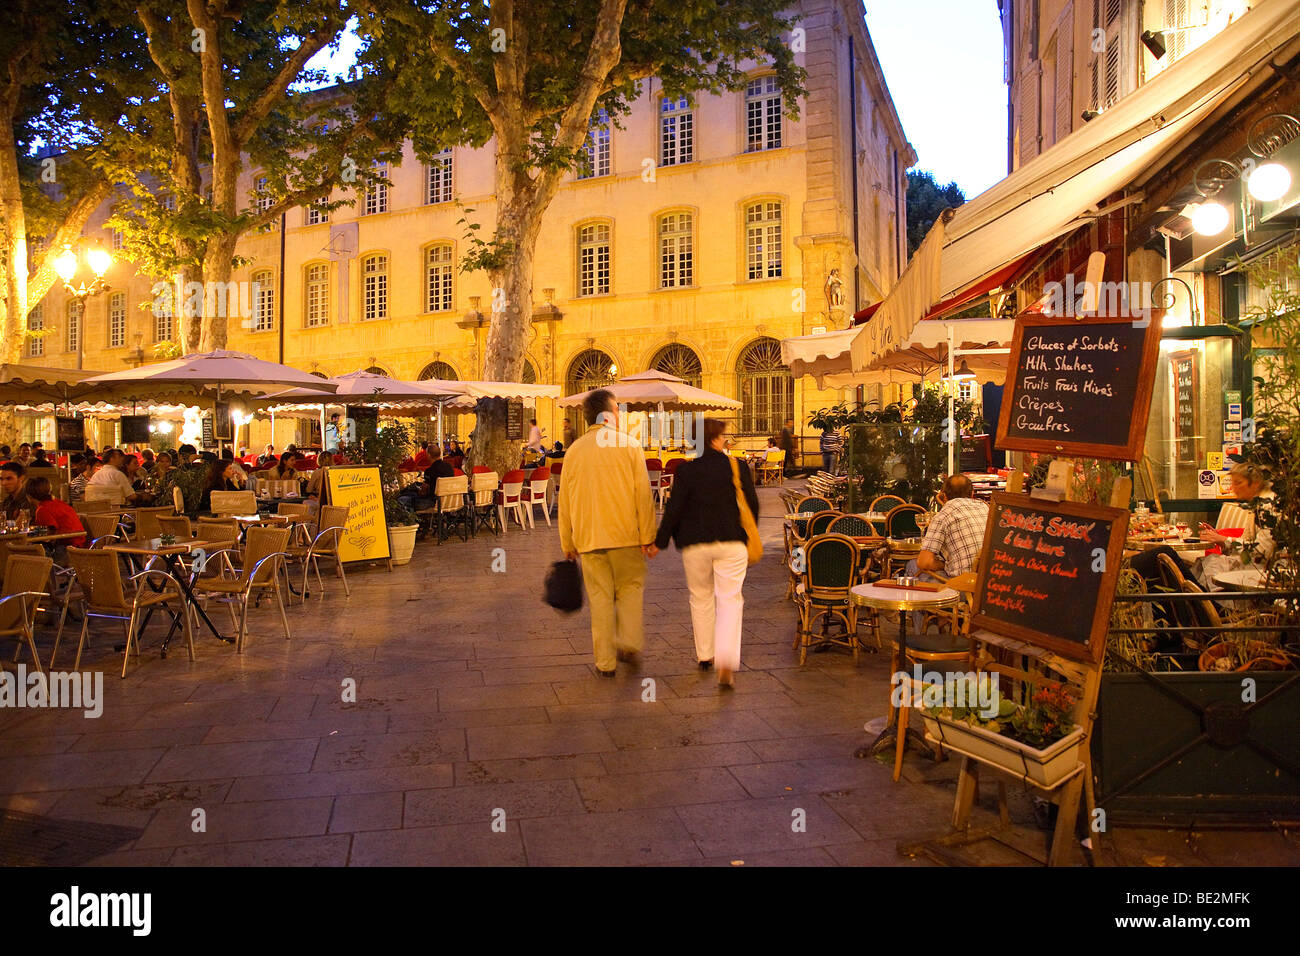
(605, 673)
(706, 665)
(726, 679)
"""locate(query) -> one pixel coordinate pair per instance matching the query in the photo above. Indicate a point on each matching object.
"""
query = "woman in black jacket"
(703, 519)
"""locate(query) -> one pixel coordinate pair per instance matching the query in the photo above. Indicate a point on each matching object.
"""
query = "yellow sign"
(1214, 460)
(357, 487)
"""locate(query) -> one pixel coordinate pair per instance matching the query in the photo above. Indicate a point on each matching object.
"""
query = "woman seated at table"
(138, 477)
(53, 513)
(284, 470)
(221, 477)
(161, 466)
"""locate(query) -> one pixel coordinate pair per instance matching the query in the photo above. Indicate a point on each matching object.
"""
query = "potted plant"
(402, 528)
(1039, 741)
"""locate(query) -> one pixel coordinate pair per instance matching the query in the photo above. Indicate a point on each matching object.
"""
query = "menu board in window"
(1185, 381)
(1047, 573)
(1080, 386)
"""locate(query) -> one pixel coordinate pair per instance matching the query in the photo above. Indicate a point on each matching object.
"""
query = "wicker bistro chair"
(855, 526)
(263, 560)
(217, 529)
(324, 544)
(178, 526)
(108, 495)
(510, 497)
(884, 503)
(484, 512)
(25, 579)
(234, 503)
(821, 524)
(534, 493)
(452, 512)
(806, 504)
(102, 528)
(830, 570)
(148, 523)
(900, 522)
(105, 595)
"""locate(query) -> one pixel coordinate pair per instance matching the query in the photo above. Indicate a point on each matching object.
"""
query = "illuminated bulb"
(1210, 218)
(1269, 182)
(99, 261)
(65, 264)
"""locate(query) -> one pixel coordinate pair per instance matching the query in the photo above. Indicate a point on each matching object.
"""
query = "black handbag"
(563, 590)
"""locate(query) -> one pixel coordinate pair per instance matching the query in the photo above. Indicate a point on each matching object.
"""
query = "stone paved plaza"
(473, 699)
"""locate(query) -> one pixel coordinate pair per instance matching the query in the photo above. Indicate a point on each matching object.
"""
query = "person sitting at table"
(267, 458)
(284, 470)
(162, 464)
(316, 483)
(419, 496)
(13, 480)
(220, 478)
(24, 456)
(53, 513)
(954, 537)
(422, 459)
(112, 476)
(77, 487)
(135, 474)
(40, 463)
(147, 461)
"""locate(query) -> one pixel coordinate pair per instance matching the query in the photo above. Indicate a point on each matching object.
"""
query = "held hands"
(571, 555)
(649, 550)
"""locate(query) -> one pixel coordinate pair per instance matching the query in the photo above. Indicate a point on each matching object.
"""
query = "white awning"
(1053, 194)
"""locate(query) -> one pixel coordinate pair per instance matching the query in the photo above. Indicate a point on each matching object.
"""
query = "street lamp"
(99, 261)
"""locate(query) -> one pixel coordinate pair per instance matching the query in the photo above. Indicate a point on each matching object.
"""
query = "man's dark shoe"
(605, 673)
(706, 665)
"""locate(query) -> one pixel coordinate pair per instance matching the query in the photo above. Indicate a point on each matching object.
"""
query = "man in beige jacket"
(607, 519)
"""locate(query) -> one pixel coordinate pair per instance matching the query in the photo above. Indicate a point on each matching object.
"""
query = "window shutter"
(1029, 120)
(1065, 74)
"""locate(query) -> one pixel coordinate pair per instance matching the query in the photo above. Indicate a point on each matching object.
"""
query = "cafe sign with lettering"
(1080, 387)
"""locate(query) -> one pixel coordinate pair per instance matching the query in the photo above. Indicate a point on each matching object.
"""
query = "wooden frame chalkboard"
(1055, 362)
(1055, 600)
(1185, 382)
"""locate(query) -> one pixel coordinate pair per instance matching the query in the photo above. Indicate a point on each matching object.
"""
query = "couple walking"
(607, 521)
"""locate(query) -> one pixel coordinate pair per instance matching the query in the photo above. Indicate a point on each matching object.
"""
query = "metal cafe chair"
(105, 595)
(484, 512)
(25, 579)
(263, 559)
(452, 513)
(830, 571)
(324, 543)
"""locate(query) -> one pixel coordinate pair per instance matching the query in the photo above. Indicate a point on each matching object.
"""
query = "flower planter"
(1045, 767)
(401, 542)
(1264, 657)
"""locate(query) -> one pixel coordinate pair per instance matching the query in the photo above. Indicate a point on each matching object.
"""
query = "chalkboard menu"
(1047, 573)
(1187, 396)
(208, 439)
(515, 421)
(223, 428)
(70, 433)
(1080, 386)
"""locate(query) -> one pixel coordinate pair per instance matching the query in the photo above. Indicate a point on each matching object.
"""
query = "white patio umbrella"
(657, 391)
(211, 375)
(470, 392)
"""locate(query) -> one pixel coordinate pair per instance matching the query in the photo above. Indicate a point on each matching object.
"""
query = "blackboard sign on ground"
(1047, 573)
(70, 433)
(1080, 386)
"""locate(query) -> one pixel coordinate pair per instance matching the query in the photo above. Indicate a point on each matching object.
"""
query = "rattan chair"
(25, 579)
(324, 544)
(263, 559)
(883, 503)
(830, 570)
(900, 522)
(148, 523)
(178, 526)
(217, 530)
(103, 528)
(105, 595)
(233, 503)
(452, 513)
(484, 512)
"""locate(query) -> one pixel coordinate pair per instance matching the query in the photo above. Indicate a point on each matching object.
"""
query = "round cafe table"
(904, 602)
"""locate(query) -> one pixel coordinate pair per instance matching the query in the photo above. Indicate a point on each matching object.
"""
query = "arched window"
(676, 251)
(438, 370)
(376, 370)
(766, 388)
(374, 288)
(437, 278)
(263, 302)
(588, 370)
(679, 360)
(530, 373)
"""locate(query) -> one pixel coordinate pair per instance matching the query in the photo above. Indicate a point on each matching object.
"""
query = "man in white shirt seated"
(112, 476)
(955, 536)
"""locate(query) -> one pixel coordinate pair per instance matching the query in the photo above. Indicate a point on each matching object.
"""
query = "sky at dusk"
(943, 64)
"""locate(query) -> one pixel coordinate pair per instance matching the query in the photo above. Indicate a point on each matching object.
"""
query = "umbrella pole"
(952, 401)
(440, 424)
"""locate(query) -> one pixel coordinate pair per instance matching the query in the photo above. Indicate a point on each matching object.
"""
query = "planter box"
(1044, 767)
(401, 542)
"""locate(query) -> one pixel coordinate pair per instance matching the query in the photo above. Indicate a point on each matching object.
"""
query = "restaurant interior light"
(962, 373)
(65, 264)
(1210, 218)
(1269, 182)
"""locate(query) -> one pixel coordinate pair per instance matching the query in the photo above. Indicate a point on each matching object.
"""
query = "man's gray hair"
(598, 402)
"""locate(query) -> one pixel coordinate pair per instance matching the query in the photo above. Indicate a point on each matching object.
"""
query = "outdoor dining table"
(884, 596)
(171, 555)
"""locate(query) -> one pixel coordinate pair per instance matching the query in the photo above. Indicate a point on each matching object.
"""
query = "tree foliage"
(926, 199)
